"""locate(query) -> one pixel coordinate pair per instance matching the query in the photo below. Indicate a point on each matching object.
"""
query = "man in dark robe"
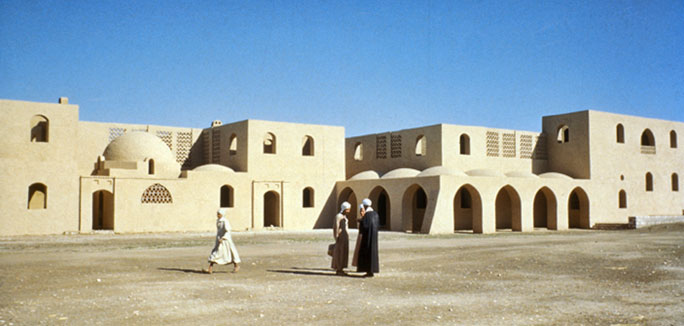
(368, 250)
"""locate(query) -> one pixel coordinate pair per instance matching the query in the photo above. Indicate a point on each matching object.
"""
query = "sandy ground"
(633, 277)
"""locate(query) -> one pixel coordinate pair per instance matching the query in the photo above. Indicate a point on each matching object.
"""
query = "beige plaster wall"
(571, 158)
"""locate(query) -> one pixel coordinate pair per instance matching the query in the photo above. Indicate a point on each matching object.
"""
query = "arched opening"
(37, 196)
(150, 166)
(381, 204)
(358, 152)
(675, 182)
(308, 197)
(467, 210)
(563, 134)
(647, 138)
(272, 209)
(227, 196)
(464, 143)
(622, 199)
(421, 146)
(415, 202)
(545, 209)
(308, 146)
(649, 181)
(673, 139)
(508, 209)
(348, 195)
(39, 129)
(103, 210)
(620, 130)
(578, 209)
(232, 149)
(269, 143)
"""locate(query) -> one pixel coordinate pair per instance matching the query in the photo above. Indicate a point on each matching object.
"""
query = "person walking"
(224, 251)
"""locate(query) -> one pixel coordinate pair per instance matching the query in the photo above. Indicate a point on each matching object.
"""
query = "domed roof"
(554, 175)
(441, 170)
(366, 175)
(521, 174)
(484, 173)
(401, 173)
(213, 167)
(137, 146)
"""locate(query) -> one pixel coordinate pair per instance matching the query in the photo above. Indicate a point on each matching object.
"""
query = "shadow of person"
(310, 271)
(187, 270)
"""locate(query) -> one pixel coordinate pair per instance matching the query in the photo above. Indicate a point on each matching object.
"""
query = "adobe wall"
(570, 157)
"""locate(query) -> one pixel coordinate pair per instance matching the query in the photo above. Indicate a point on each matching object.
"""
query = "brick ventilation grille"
(540, 148)
(215, 146)
(492, 143)
(115, 132)
(206, 143)
(508, 145)
(166, 137)
(183, 145)
(526, 146)
(381, 147)
(395, 145)
(141, 130)
(156, 194)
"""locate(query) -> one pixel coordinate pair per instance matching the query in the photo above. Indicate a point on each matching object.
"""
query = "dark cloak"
(368, 251)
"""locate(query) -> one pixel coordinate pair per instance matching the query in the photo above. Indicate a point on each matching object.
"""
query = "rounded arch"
(269, 143)
(150, 166)
(647, 138)
(358, 152)
(675, 182)
(40, 129)
(226, 196)
(308, 197)
(649, 181)
(673, 139)
(464, 144)
(272, 209)
(563, 134)
(103, 210)
(37, 196)
(381, 204)
(233, 144)
(620, 133)
(414, 204)
(349, 196)
(622, 199)
(578, 209)
(307, 146)
(508, 209)
(468, 209)
(421, 145)
(545, 209)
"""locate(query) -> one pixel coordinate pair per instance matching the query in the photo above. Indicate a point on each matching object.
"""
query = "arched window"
(649, 181)
(39, 129)
(421, 146)
(269, 143)
(308, 197)
(464, 142)
(358, 152)
(563, 134)
(673, 139)
(307, 146)
(675, 182)
(647, 138)
(37, 196)
(156, 194)
(226, 196)
(150, 166)
(232, 149)
(620, 130)
(622, 199)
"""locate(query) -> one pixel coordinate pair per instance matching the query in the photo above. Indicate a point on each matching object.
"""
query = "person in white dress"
(224, 251)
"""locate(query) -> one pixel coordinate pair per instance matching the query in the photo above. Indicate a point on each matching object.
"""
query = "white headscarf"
(345, 206)
(222, 211)
(367, 205)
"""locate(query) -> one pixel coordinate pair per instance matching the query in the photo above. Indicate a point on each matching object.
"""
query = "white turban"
(222, 211)
(345, 206)
(367, 202)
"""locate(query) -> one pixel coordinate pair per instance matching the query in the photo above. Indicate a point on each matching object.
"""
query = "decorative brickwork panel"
(115, 132)
(395, 145)
(508, 145)
(166, 137)
(156, 194)
(381, 147)
(216, 146)
(183, 146)
(492, 143)
(540, 152)
(526, 148)
(206, 146)
(140, 130)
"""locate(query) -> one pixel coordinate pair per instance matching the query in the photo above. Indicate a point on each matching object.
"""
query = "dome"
(366, 175)
(137, 146)
(484, 173)
(521, 174)
(401, 173)
(441, 170)
(213, 167)
(554, 175)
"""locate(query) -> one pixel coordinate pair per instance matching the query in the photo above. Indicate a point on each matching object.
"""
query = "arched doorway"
(381, 204)
(578, 209)
(467, 210)
(103, 210)
(545, 209)
(272, 209)
(414, 204)
(348, 195)
(508, 209)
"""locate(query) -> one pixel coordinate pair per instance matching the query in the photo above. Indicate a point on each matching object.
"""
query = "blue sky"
(367, 66)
